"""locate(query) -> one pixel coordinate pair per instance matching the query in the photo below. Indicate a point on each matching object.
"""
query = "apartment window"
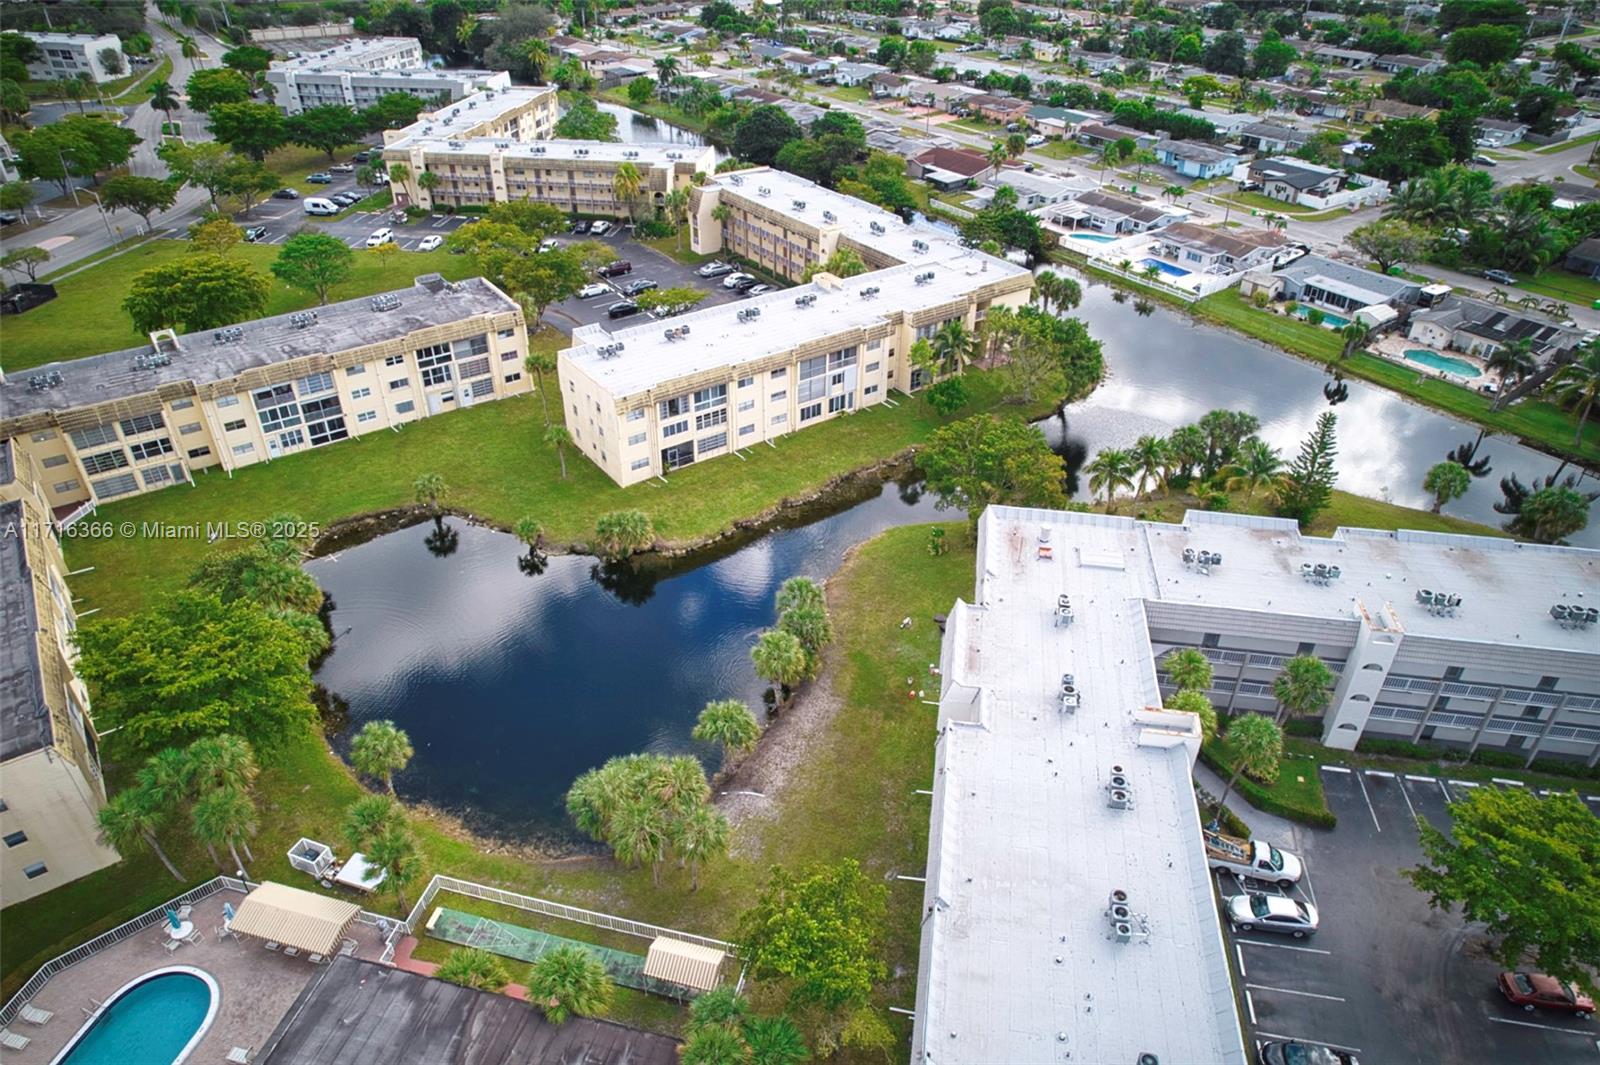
(746, 382)
(839, 403)
(143, 423)
(506, 334)
(874, 345)
(1211, 639)
(42, 435)
(639, 464)
(199, 452)
(16, 839)
(675, 428)
(94, 436)
(747, 404)
(66, 486)
(394, 360)
(672, 408)
(312, 384)
(291, 438)
(474, 368)
(55, 460)
(34, 871)
(243, 449)
(354, 371)
(434, 355)
(780, 395)
(711, 443)
(635, 414)
(361, 393)
(405, 408)
(398, 383)
(711, 419)
(189, 430)
(276, 407)
(812, 411)
(779, 419)
(105, 461)
(150, 449)
(156, 475)
(870, 390)
(182, 404)
(510, 379)
(435, 375)
(121, 484)
(782, 371)
(234, 426)
(227, 401)
(636, 439)
(872, 367)
(746, 430)
(367, 416)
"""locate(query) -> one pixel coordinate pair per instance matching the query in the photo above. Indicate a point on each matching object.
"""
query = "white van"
(317, 205)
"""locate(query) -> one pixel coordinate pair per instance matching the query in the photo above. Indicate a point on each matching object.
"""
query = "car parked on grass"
(549, 244)
(255, 234)
(381, 237)
(591, 290)
(714, 269)
(286, 194)
(1294, 1052)
(621, 309)
(599, 228)
(1534, 991)
(615, 268)
(321, 177)
(430, 243)
(1035, 140)
(633, 288)
(1272, 913)
(1499, 277)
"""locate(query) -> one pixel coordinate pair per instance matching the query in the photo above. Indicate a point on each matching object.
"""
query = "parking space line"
(1530, 1024)
(1422, 779)
(1413, 809)
(1239, 952)
(1283, 946)
(1291, 991)
(1334, 769)
(1508, 783)
(1446, 791)
(1465, 783)
(1251, 1003)
(1305, 878)
(1293, 1039)
(1367, 797)
(1380, 773)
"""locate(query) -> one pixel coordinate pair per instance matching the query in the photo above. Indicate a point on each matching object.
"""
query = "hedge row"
(1264, 800)
(1488, 757)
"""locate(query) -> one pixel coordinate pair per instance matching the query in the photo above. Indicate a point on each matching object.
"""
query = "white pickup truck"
(1254, 858)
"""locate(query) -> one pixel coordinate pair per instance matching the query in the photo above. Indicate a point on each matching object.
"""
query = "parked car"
(1272, 913)
(381, 237)
(745, 284)
(430, 242)
(733, 280)
(1484, 160)
(580, 225)
(255, 234)
(1537, 991)
(1499, 277)
(318, 206)
(622, 309)
(321, 177)
(1253, 858)
(615, 268)
(1035, 140)
(715, 269)
(342, 168)
(360, 157)
(549, 244)
(758, 290)
(599, 228)
(286, 194)
(1294, 1052)
(633, 288)
(346, 199)
(9, 218)
(591, 290)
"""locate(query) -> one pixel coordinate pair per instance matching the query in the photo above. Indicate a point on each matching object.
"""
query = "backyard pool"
(1329, 319)
(155, 1019)
(1095, 238)
(1165, 268)
(1443, 363)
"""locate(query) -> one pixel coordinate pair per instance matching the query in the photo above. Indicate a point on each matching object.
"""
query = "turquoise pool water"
(1329, 319)
(1443, 363)
(1097, 238)
(150, 1023)
(1165, 268)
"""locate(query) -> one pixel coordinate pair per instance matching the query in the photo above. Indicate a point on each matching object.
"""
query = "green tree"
(262, 576)
(948, 396)
(1525, 866)
(197, 292)
(620, 533)
(1188, 669)
(78, 146)
(1255, 744)
(730, 723)
(381, 749)
(25, 261)
(846, 262)
(248, 60)
(715, 1046)
(1389, 242)
(721, 1007)
(1487, 46)
(818, 934)
(208, 166)
(192, 666)
(16, 196)
(396, 855)
(1446, 481)
(326, 128)
(775, 1041)
(163, 98)
(1189, 701)
(799, 592)
(128, 823)
(560, 438)
(762, 133)
(1576, 387)
(430, 490)
(627, 184)
(1306, 488)
(142, 195)
(1301, 688)
(248, 128)
(640, 92)
(1552, 514)
(208, 88)
(221, 761)
(666, 69)
(368, 818)
(570, 981)
(1257, 465)
(473, 967)
(981, 460)
(315, 262)
(677, 298)
(392, 110)
(697, 837)
(213, 234)
(780, 658)
(1109, 472)
(226, 816)
(584, 121)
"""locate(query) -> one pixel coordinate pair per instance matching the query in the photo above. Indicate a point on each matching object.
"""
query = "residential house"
(1057, 122)
(1348, 58)
(1040, 188)
(1269, 138)
(1227, 125)
(916, 29)
(955, 30)
(1108, 212)
(850, 75)
(768, 51)
(1013, 48)
(1195, 159)
(1098, 135)
(1498, 132)
(1311, 185)
(756, 96)
(1417, 64)
(1313, 102)
(1095, 62)
(947, 168)
(1334, 286)
(950, 96)
(1214, 250)
(1480, 328)
(1380, 110)
(1585, 258)
(805, 64)
(1565, 195)
(885, 85)
(1002, 109)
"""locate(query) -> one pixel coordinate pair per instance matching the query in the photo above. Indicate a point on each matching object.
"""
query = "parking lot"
(1385, 977)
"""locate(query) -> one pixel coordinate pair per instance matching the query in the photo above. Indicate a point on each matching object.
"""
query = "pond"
(509, 685)
(634, 127)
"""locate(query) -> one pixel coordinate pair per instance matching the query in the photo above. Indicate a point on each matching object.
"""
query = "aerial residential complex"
(647, 399)
(133, 421)
(50, 783)
(298, 90)
(1049, 690)
(68, 55)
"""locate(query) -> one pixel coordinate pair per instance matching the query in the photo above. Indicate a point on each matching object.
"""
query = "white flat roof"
(453, 121)
(717, 338)
(1020, 963)
(349, 52)
(663, 154)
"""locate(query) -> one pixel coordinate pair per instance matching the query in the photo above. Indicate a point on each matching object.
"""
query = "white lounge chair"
(347, 947)
(171, 945)
(272, 944)
(12, 1041)
(196, 936)
(291, 952)
(35, 1016)
(239, 1055)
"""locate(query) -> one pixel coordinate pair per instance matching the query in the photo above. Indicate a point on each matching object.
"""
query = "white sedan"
(430, 243)
(1272, 913)
(589, 292)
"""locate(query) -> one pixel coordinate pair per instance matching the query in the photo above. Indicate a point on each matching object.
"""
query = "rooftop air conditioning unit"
(1119, 908)
(876, 228)
(799, 205)
(763, 190)
(829, 216)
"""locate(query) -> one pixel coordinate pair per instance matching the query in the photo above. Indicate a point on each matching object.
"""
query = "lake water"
(636, 128)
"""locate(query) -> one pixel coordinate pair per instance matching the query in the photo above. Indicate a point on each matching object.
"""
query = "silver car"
(1272, 913)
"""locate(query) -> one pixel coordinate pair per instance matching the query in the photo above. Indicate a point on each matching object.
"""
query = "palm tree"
(529, 531)
(1173, 192)
(1255, 744)
(1513, 361)
(638, 834)
(730, 723)
(676, 207)
(474, 967)
(191, 51)
(1302, 687)
(1149, 455)
(626, 185)
(1257, 465)
(129, 822)
(775, 1041)
(1056, 292)
(1189, 701)
(620, 533)
(540, 363)
(780, 658)
(666, 70)
(799, 592)
(809, 625)
(368, 818)
(430, 490)
(1446, 481)
(163, 99)
(698, 838)
(221, 761)
(952, 345)
(381, 750)
(570, 981)
(1355, 335)
(997, 156)
(396, 855)
(558, 437)
(538, 56)
(226, 816)
(1188, 669)
(1110, 471)
(428, 181)
(1016, 145)
(1576, 386)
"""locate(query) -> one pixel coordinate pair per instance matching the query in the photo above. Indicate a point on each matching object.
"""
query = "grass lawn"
(1299, 784)
(90, 260)
(87, 317)
(677, 248)
(1454, 770)
(976, 125)
(1533, 420)
(1265, 203)
(1060, 149)
(1585, 170)
(139, 90)
(850, 93)
(292, 163)
(1562, 285)
(1561, 146)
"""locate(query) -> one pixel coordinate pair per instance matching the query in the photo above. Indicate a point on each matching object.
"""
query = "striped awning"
(295, 918)
(688, 964)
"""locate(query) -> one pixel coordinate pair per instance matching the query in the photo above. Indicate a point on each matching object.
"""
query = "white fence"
(530, 904)
(1143, 279)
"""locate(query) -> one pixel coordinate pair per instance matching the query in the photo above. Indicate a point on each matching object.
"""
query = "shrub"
(1406, 749)
(1265, 800)
(1303, 726)
(653, 228)
(1260, 298)
(1497, 759)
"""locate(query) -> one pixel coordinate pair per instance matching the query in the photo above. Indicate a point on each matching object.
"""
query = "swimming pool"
(1443, 363)
(1097, 238)
(1165, 268)
(154, 1019)
(1329, 319)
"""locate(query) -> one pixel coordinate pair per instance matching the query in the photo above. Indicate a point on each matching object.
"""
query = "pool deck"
(1393, 346)
(258, 985)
